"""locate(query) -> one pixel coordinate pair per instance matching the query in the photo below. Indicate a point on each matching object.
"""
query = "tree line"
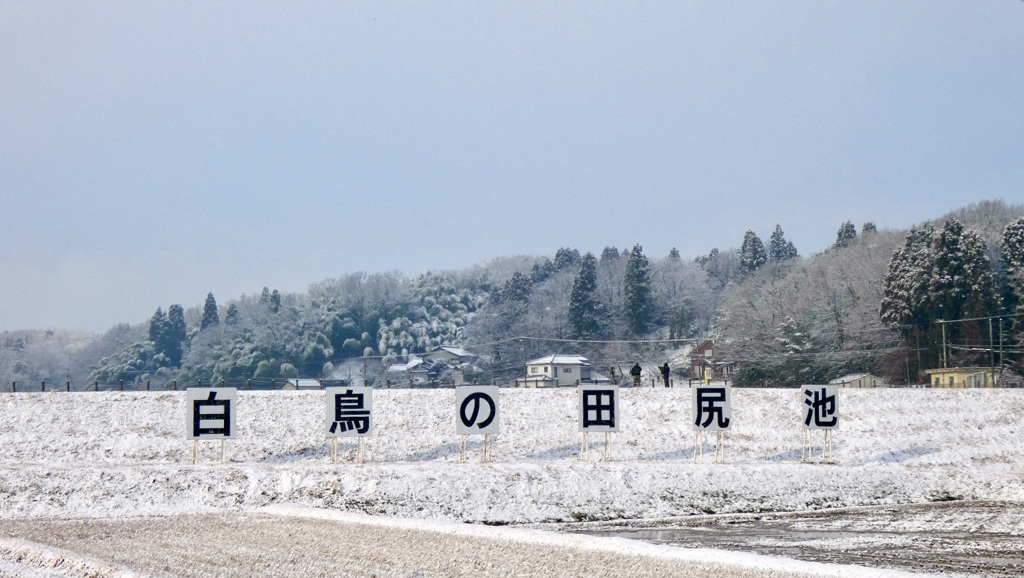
(870, 302)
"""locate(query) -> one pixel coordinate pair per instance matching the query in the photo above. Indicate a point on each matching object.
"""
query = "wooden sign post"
(476, 413)
(598, 407)
(820, 404)
(349, 414)
(712, 411)
(211, 414)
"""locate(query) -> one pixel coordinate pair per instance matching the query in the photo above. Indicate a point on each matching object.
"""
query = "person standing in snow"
(665, 372)
(635, 372)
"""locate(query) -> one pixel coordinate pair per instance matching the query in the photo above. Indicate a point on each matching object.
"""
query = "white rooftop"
(560, 360)
(455, 351)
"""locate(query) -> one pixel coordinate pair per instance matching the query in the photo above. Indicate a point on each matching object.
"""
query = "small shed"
(858, 380)
(292, 384)
(963, 377)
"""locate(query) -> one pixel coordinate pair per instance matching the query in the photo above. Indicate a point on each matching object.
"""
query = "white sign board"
(820, 406)
(210, 414)
(349, 411)
(598, 407)
(476, 409)
(712, 407)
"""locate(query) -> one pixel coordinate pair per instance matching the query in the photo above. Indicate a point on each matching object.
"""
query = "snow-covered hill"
(125, 454)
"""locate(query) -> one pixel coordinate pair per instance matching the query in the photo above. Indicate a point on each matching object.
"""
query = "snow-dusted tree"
(210, 316)
(1013, 266)
(723, 267)
(275, 301)
(674, 254)
(940, 275)
(868, 228)
(752, 253)
(177, 334)
(846, 235)
(158, 327)
(636, 288)
(584, 308)
(231, 316)
(906, 301)
(683, 299)
(610, 254)
(810, 320)
(166, 346)
(566, 258)
(780, 249)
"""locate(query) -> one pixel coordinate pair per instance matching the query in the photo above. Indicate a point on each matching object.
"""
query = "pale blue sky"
(151, 152)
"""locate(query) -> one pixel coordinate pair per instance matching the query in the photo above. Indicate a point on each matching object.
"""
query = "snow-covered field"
(124, 456)
(111, 454)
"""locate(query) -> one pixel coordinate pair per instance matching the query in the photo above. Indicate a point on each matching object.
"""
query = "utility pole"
(991, 352)
(943, 324)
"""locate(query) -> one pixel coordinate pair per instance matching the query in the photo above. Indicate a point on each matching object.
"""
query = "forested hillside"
(870, 302)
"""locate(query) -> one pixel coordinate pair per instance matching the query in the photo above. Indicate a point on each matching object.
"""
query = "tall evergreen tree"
(210, 316)
(176, 335)
(541, 271)
(517, 289)
(847, 234)
(158, 328)
(1013, 266)
(637, 292)
(565, 258)
(275, 301)
(868, 228)
(752, 253)
(584, 307)
(231, 317)
(939, 275)
(779, 249)
(610, 254)
(265, 296)
(674, 254)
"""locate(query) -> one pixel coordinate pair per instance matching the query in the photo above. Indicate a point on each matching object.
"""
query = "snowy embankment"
(113, 454)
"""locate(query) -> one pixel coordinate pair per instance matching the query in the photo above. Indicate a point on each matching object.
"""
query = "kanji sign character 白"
(211, 413)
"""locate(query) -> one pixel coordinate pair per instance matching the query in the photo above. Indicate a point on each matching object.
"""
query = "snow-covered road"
(289, 542)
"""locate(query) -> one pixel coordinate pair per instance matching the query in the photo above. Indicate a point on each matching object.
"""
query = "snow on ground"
(112, 454)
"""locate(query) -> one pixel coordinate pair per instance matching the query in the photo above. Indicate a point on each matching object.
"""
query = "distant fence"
(243, 384)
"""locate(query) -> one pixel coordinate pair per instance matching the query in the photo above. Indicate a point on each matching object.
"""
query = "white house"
(558, 370)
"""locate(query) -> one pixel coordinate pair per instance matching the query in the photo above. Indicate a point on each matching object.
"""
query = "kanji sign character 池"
(821, 410)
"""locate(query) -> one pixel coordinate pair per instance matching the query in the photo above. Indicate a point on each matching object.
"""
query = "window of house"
(545, 369)
(951, 380)
(567, 370)
(533, 369)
